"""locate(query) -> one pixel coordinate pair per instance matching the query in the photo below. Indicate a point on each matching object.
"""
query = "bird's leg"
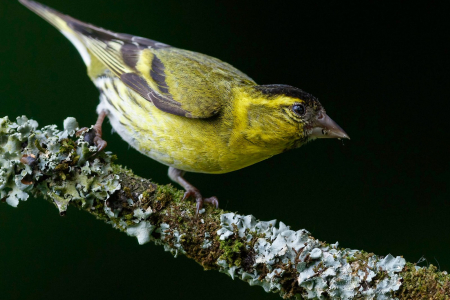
(177, 176)
(95, 137)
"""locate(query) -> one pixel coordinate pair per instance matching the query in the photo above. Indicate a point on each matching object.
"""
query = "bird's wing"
(176, 81)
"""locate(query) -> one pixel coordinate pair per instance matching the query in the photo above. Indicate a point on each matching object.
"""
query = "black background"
(380, 70)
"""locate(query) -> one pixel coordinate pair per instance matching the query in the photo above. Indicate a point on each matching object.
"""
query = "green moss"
(127, 192)
(361, 256)
(232, 250)
(128, 218)
(168, 189)
(99, 205)
(118, 169)
(163, 196)
(424, 283)
(75, 160)
(62, 167)
(67, 146)
(147, 197)
(38, 145)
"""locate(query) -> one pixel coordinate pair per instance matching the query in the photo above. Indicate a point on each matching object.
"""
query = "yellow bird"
(187, 110)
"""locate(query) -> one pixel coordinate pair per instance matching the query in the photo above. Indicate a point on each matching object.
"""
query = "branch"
(67, 170)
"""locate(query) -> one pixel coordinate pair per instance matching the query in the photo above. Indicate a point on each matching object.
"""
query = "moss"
(164, 194)
(424, 283)
(98, 210)
(38, 145)
(232, 250)
(289, 285)
(127, 192)
(192, 231)
(62, 167)
(118, 169)
(75, 160)
(361, 257)
(147, 197)
(67, 145)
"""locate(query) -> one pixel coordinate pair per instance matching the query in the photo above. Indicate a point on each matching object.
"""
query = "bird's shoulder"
(200, 83)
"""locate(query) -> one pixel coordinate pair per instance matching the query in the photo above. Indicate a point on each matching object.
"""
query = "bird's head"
(285, 117)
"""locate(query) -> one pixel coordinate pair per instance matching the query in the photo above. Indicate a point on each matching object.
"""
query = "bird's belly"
(193, 145)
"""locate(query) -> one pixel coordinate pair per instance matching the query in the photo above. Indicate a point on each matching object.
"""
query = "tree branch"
(67, 170)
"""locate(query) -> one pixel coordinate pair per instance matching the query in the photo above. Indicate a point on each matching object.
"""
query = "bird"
(187, 110)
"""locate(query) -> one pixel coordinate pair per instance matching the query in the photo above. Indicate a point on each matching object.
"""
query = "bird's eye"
(299, 109)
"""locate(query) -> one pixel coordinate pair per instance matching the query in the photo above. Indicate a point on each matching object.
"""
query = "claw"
(200, 201)
(193, 192)
(93, 138)
(100, 143)
(81, 131)
(212, 200)
(199, 206)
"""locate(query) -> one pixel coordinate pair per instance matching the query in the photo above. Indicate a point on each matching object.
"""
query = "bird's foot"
(93, 137)
(195, 193)
(191, 191)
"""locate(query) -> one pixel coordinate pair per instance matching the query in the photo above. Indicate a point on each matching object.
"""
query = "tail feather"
(52, 16)
(61, 22)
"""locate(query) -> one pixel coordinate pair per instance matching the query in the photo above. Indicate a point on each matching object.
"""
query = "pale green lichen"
(321, 270)
(142, 231)
(43, 161)
(12, 138)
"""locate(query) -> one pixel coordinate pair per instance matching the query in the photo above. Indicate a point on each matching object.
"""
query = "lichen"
(320, 270)
(142, 231)
(42, 162)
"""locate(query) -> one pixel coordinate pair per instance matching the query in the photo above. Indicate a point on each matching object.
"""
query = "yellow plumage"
(188, 110)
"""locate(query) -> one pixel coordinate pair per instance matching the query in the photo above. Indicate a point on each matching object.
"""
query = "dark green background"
(380, 70)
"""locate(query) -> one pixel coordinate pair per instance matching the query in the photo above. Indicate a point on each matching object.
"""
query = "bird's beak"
(325, 127)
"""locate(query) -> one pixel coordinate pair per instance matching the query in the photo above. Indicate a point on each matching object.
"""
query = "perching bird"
(187, 110)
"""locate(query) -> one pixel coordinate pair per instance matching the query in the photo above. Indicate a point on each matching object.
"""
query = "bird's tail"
(62, 23)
